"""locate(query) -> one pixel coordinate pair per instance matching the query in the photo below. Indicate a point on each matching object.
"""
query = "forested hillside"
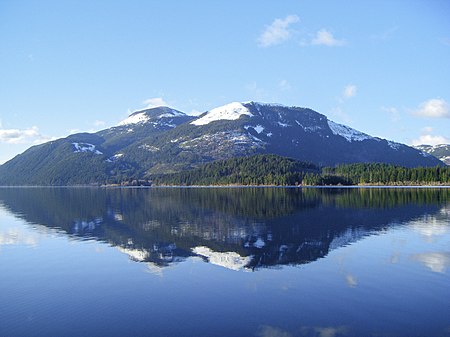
(281, 171)
(253, 170)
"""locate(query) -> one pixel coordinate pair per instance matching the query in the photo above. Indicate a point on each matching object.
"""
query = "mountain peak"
(231, 111)
(145, 115)
(265, 104)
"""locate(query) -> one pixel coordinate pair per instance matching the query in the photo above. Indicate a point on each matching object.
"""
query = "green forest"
(252, 170)
(280, 171)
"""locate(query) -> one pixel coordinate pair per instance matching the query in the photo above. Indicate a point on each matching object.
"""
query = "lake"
(269, 262)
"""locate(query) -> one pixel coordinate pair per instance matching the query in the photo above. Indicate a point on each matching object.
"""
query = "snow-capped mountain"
(163, 140)
(157, 117)
(441, 152)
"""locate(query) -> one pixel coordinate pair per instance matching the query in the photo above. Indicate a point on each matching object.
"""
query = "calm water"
(267, 262)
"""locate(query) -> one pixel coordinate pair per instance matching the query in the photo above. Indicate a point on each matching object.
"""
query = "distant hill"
(163, 140)
(441, 152)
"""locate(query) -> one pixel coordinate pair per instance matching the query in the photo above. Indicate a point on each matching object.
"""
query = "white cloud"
(284, 85)
(395, 114)
(434, 108)
(194, 112)
(73, 131)
(427, 138)
(349, 91)
(385, 35)
(24, 136)
(325, 38)
(278, 31)
(43, 139)
(430, 140)
(154, 102)
(256, 92)
(99, 123)
(341, 115)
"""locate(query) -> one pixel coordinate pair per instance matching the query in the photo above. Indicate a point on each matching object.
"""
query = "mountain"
(441, 152)
(164, 140)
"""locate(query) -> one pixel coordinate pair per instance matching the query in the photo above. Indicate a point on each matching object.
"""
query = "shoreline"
(231, 186)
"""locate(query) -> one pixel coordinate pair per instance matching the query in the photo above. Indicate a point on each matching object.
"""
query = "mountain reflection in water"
(236, 228)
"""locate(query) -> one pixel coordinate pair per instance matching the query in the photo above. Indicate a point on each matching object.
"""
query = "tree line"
(281, 171)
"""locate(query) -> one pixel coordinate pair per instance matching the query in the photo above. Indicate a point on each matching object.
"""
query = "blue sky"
(382, 67)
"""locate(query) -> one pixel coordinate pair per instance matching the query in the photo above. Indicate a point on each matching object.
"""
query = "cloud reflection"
(437, 262)
(17, 236)
(351, 281)
(324, 331)
(270, 331)
(430, 227)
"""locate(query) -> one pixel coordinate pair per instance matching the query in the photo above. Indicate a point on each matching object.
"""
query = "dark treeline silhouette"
(281, 171)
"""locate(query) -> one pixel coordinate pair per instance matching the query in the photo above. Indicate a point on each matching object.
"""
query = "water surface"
(224, 262)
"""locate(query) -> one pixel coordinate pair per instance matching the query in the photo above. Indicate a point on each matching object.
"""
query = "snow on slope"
(258, 128)
(347, 132)
(85, 147)
(439, 151)
(230, 111)
(142, 117)
(134, 119)
(394, 145)
(172, 113)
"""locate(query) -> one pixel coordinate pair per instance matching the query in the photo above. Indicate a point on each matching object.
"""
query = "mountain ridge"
(440, 151)
(164, 140)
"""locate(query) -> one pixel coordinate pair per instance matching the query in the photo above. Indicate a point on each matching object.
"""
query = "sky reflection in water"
(280, 262)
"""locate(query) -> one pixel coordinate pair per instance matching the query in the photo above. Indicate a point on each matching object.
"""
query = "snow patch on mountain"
(440, 151)
(228, 140)
(172, 113)
(259, 105)
(163, 124)
(425, 154)
(114, 158)
(85, 147)
(313, 128)
(256, 139)
(347, 132)
(434, 147)
(229, 260)
(149, 148)
(258, 128)
(394, 145)
(137, 117)
(230, 111)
